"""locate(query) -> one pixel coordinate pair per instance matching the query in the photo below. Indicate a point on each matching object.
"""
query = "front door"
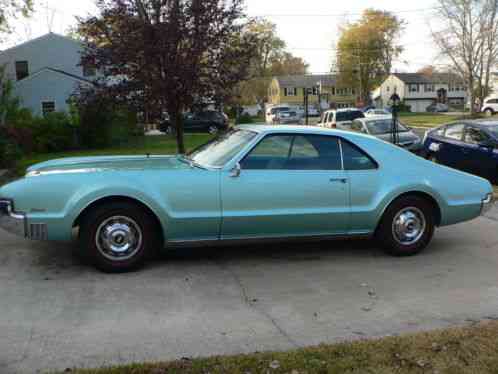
(289, 186)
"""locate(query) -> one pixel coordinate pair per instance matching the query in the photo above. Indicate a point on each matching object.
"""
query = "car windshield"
(349, 115)
(217, 152)
(380, 127)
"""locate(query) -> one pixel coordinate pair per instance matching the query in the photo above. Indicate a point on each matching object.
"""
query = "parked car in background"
(377, 112)
(340, 118)
(437, 108)
(287, 118)
(470, 146)
(382, 128)
(273, 111)
(490, 106)
(251, 183)
(206, 121)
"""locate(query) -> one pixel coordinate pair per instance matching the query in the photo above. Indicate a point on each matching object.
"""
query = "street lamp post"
(395, 101)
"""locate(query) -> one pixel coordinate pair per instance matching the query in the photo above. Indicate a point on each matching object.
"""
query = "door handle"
(339, 180)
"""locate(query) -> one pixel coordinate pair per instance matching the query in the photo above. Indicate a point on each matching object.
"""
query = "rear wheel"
(407, 226)
(489, 112)
(117, 237)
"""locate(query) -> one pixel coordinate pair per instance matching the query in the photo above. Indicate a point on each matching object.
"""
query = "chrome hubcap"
(118, 238)
(409, 226)
(213, 130)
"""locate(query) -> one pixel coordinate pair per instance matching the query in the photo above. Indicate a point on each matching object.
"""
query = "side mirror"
(235, 172)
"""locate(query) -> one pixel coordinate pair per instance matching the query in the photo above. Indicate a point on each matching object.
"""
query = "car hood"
(105, 163)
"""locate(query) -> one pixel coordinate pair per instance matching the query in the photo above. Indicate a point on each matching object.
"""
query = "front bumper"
(12, 221)
(487, 203)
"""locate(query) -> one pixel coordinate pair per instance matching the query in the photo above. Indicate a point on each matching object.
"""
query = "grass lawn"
(155, 145)
(427, 119)
(468, 350)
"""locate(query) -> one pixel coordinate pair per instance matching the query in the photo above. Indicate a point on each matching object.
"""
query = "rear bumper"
(12, 221)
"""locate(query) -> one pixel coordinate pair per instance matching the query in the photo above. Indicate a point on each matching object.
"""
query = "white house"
(420, 90)
(46, 71)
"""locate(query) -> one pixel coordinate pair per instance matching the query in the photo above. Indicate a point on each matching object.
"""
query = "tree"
(168, 54)
(428, 70)
(366, 50)
(271, 59)
(9, 104)
(468, 38)
(10, 9)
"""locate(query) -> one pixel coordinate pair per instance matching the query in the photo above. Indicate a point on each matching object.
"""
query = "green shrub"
(245, 119)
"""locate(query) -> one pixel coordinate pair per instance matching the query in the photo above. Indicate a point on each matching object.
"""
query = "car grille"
(38, 231)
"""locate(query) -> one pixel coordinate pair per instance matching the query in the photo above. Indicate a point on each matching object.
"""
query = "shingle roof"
(307, 81)
(431, 79)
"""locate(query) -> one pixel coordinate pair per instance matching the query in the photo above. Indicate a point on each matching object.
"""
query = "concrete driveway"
(56, 312)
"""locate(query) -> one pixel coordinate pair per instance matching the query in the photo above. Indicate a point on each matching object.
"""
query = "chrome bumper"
(487, 203)
(12, 221)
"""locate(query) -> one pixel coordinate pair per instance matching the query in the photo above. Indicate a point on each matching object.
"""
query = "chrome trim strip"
(263, 240)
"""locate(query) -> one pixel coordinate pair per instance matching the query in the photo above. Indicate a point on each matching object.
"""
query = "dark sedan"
(470, 146)
(206, 121)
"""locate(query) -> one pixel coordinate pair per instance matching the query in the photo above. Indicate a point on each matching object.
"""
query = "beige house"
(418, 91)
(290, 90)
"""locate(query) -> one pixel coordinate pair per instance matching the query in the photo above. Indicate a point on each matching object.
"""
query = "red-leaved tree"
(168, 55)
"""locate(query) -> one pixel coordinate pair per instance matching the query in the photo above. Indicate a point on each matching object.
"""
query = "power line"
(343, 14)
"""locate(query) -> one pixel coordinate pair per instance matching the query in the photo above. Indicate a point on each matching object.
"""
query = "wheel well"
(427, 197)
(114, 199)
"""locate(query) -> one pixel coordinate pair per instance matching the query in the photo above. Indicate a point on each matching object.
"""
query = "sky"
(309, 28)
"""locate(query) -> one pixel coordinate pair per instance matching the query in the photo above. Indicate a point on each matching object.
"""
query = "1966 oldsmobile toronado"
(251, 183)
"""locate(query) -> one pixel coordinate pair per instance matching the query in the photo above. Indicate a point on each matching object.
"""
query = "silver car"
(287, 118)
(381, 127)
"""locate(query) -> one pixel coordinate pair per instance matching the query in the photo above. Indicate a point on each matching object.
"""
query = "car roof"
(343, 110)
(376, 118)
(298, 129)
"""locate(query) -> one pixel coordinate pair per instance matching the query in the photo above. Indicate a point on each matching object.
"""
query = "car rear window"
(349, 115)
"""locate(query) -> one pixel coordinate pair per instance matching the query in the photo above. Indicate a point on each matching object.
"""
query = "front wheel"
(488, 112)
(213, 130)
(407, 226)
(118, 236)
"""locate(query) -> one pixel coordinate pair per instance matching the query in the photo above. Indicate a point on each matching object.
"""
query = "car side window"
(355, 158)
(454, 132)
(300, 152)
(474, 136)
(357, 126)
(270, 153)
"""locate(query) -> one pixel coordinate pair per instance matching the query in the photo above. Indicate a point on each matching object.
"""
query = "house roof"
(67, 75)
(307, 81)
(425, 78)
(46, 36)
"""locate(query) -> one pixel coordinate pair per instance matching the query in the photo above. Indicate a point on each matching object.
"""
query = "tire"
(415, 234)
(489, 112)
(170, 130)
(131, 237)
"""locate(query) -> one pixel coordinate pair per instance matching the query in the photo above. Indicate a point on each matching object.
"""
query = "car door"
(289, 186)
(450, 152)
(479, 160)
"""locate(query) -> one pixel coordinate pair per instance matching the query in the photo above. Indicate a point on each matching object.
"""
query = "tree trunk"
(472, 98)
(177, 121)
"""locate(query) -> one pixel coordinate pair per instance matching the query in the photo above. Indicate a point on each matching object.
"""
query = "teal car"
(252, 183)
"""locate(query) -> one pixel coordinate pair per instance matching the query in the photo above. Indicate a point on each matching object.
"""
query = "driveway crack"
(247, 301)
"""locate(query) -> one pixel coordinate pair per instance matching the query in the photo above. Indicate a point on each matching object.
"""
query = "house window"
(332, 91)
(22, 70)
(388, 89)
(48, 107)
(89, 71)
(290, 91)
(429, 88)
(414, 88)
(315, 91)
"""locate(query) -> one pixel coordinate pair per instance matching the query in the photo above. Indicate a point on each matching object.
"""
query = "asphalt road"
(56, 312)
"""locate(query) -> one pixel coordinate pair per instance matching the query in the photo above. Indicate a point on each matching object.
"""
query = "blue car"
(470, 146)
